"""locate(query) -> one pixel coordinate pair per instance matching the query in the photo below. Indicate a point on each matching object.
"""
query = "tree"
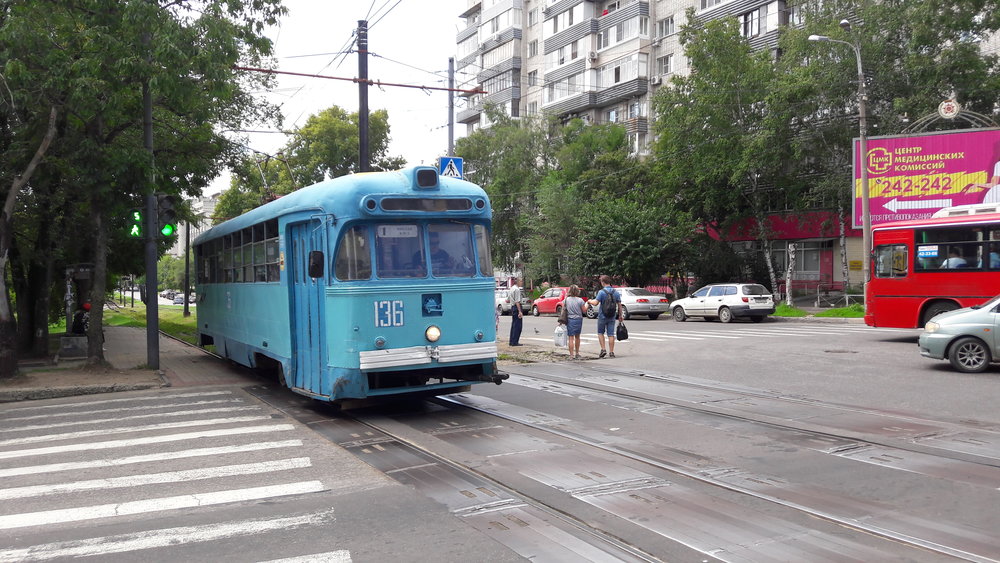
(723, 139)
(89, 59)
(325, 147)
(509, 160)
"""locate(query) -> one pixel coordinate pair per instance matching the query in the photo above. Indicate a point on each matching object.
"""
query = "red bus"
(925, 267)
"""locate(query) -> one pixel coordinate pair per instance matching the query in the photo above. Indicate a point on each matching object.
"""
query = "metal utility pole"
(187, 267)
(451, 106)
(152, 226)
(363, 157)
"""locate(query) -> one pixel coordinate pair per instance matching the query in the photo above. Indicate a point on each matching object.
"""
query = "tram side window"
(890, 261)
(399, 251)
(960, 248)
(483, 250)
(353, 260)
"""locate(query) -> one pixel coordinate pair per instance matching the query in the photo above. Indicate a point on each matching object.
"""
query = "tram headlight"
(931, 326)
(432, 334)
(479, 336)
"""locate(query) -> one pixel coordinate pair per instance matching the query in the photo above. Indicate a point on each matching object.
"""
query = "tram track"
(718, 476)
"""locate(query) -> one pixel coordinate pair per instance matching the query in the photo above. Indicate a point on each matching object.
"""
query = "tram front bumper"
(417, 355)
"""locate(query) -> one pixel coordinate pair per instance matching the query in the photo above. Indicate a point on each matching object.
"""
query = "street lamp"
(866, 218)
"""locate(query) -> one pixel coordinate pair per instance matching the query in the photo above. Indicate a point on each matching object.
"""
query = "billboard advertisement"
(912, 176)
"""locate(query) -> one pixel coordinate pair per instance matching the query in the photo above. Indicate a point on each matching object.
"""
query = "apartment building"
(598, 60)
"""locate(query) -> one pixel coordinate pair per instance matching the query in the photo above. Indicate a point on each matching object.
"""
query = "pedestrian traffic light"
(135, 223)
(166, 214)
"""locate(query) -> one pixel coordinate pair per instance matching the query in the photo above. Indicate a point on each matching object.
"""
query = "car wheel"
(625, 313)
(725, 315)
(534, 310)
(757, 318)
(678, 314)
(558, 310)
(936, 309)
(969, 355)
(591, 312)
(500, 310)
(654, 316)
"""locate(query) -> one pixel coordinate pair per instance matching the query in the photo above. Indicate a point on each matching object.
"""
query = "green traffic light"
(167, 230)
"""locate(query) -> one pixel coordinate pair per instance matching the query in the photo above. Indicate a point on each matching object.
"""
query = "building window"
(665, 27)
(709, 3)
(532, 17)
(533, 78)
(754, 22)
(532, 108)
(533, 48)
(665, 64)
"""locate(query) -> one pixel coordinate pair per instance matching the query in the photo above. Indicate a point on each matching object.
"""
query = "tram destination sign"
(912, 176)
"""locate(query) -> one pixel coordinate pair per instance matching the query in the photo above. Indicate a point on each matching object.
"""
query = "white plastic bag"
(560, 338)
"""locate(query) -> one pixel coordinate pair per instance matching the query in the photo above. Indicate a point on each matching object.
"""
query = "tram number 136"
(388, 313)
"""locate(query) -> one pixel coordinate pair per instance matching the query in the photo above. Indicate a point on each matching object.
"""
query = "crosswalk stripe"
(49, 517)
(126, 429)
(136, 417)
(167, 537)
(64, 406)
(145, 441)
(339, 556)
(144, 408)
(156, 478)
(198, 452)
(693, 333)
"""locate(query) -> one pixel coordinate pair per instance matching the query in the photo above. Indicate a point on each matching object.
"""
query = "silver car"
(725, 301)
(640, 301)
(965, 337)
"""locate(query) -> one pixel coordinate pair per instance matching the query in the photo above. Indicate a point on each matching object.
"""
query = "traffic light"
(166, 214)
(135, 223)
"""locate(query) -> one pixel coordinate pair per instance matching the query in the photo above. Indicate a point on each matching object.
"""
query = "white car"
(502, 300)
(640, 301)
(725, 301)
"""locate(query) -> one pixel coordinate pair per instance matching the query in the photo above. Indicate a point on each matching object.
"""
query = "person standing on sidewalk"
(609, 308)
(575, 309)
(516, 313)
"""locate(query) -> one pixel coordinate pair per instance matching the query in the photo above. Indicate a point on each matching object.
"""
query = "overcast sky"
(410, 42)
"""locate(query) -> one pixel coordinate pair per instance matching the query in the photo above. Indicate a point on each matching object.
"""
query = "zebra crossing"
(163, 471)
(728, 332)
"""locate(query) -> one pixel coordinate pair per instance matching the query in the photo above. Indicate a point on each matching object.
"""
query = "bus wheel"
(936, 309)
(969, 355)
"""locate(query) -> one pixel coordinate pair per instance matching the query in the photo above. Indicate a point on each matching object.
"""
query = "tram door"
(308, 344)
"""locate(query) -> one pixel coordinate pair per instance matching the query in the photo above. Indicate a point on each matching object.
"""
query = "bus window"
(483, 250)
(451, 252)
(399, 251)
(353, 261)
(890, 261)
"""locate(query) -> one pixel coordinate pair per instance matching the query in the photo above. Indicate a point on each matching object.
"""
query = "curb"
(14, 395)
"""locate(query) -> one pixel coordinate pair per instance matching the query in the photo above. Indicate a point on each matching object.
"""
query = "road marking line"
(136, 417)
(144, 441)
(49, 517)
(144, 408)
(168, 537)
(64, 406)
(340, 556)
(199, 452)
(128, 429)
(156, 478)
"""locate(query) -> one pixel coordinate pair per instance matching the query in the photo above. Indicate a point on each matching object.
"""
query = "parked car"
(550, 301)
(725, 301)
(502, 300)
(639, 301)
(179, 299)
(965, 337)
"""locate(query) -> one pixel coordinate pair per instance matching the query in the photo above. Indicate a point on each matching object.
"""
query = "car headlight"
(931, 326)
(432, 334)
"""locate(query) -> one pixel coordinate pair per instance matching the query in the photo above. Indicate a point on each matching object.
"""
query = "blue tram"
(366, 285)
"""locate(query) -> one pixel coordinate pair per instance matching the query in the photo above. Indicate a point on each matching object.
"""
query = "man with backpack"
(609, 304)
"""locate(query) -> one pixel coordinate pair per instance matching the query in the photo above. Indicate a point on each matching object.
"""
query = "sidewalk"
(125, 350)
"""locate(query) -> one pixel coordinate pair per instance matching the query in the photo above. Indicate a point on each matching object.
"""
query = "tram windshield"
(414, 251)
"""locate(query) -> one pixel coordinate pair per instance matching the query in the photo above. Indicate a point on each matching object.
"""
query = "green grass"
(783, 310)
(854, 311)
(172, 320)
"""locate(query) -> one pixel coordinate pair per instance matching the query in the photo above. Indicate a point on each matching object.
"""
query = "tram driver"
(441, 261)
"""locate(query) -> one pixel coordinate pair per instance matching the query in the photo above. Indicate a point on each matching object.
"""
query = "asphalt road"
(833, 361)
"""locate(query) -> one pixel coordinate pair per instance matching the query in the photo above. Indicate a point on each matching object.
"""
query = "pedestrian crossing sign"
(450, 167)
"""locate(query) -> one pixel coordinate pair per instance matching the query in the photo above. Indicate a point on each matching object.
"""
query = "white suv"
(725, 301)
